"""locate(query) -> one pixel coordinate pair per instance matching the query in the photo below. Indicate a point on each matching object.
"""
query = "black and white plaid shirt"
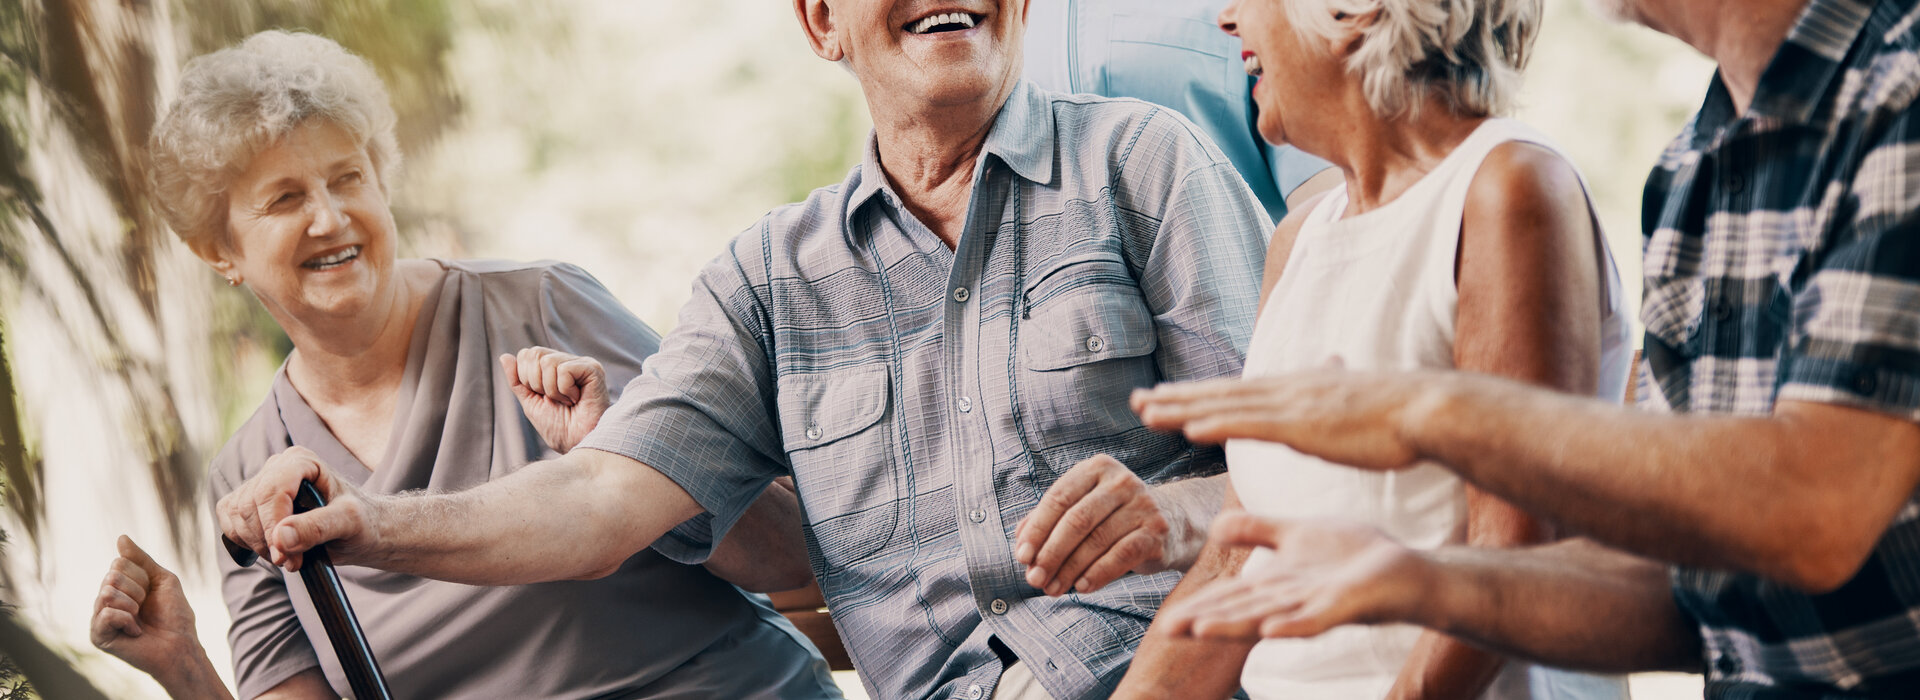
(1783, 263)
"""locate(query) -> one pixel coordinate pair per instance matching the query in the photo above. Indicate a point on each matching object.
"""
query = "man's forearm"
(1794, 497)
(1165, 666)
(1190, 505)
(765, 552)
(1444, 668)
(1572, 604)
(578, 516)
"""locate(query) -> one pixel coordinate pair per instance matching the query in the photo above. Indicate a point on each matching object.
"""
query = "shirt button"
(966, 405)
(1722, 310)
(813, 431)
(977, 515)
(1095, 343)
(973, 691)
(960, 294)
(998, 606)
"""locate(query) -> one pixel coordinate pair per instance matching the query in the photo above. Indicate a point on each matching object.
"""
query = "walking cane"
(330, 601)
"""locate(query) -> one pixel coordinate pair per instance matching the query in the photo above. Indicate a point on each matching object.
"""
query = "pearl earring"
(233, 281)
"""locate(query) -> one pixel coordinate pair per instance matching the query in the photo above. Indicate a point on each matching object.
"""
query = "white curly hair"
(1467, 53)
(241, 100)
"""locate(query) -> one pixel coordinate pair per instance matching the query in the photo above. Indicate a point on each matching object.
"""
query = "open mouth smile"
(1252, 63)
(942, 22)
(334, 259)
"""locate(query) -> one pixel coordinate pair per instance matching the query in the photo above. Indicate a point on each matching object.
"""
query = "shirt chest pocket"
(1086, 342)
(833, 426)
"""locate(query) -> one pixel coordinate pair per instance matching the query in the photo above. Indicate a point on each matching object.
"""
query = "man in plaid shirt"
(1783, 335)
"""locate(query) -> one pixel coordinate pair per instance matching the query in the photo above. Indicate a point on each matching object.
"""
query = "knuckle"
(1078, 520)
(1155, 526)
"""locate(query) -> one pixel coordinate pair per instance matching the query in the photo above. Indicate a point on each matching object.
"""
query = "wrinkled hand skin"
(259, 513)
(1323, 574)
(1357, 419)
(1098, 522)
(141, 615)
(562, 395)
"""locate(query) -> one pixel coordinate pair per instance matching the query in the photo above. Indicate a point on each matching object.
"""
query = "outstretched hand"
(1323, 574)
(141, 614)
(563, 395)
(1358, 419)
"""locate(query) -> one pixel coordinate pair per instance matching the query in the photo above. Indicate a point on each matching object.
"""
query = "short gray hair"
(241, 100)
(1467, 53)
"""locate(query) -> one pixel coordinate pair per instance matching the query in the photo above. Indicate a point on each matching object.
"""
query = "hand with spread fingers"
(259, 513)
(1100, 521)
(563, 395)
(142, 617)
(1357, 419)
(1323, 574)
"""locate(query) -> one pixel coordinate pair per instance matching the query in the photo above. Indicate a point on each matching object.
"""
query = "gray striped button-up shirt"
(924, 398)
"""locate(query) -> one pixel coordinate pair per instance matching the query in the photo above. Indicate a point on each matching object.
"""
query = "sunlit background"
(630, 137)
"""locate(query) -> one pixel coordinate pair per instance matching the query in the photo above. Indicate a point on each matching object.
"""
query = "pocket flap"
(1096, 322)
(819, 408)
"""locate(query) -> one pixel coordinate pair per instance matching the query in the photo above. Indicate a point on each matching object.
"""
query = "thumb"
(1248, 530)
(141, 559)
(511, 368)
(299, 533)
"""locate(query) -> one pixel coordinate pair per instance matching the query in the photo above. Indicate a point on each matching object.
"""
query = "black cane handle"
(330, 602)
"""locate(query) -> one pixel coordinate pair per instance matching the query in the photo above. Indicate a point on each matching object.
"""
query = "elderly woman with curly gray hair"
(1459, 240)
(274, 166)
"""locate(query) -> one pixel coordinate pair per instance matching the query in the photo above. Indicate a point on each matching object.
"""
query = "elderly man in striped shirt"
(926, 348)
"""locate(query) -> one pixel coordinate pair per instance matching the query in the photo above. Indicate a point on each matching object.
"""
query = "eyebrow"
(289, 182)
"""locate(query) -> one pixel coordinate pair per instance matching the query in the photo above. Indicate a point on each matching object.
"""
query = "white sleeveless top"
(1377, 291)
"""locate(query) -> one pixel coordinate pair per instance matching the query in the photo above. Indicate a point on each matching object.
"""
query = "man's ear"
(816, 18)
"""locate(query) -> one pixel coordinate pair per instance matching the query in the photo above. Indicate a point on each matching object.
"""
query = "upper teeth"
(336, 257)
(1253, 66)
(960, 18)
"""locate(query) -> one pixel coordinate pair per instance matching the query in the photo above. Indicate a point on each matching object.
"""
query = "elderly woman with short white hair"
(1459, 240)
(274, 166)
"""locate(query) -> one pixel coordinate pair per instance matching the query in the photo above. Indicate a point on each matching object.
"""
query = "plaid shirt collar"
(1802, 72)
(1021, 137)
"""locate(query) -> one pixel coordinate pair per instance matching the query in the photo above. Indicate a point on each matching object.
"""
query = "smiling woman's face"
(1299, 79)
(308, 228)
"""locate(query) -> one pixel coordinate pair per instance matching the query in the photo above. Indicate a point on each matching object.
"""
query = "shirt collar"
(1022, 136)
(1802, 71)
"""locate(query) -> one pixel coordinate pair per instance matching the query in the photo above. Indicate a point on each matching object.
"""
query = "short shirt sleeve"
(269, 646)
(702, 411)
(1858, 314)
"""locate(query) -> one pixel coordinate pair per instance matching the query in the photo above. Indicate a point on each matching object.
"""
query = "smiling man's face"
(939, 53)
